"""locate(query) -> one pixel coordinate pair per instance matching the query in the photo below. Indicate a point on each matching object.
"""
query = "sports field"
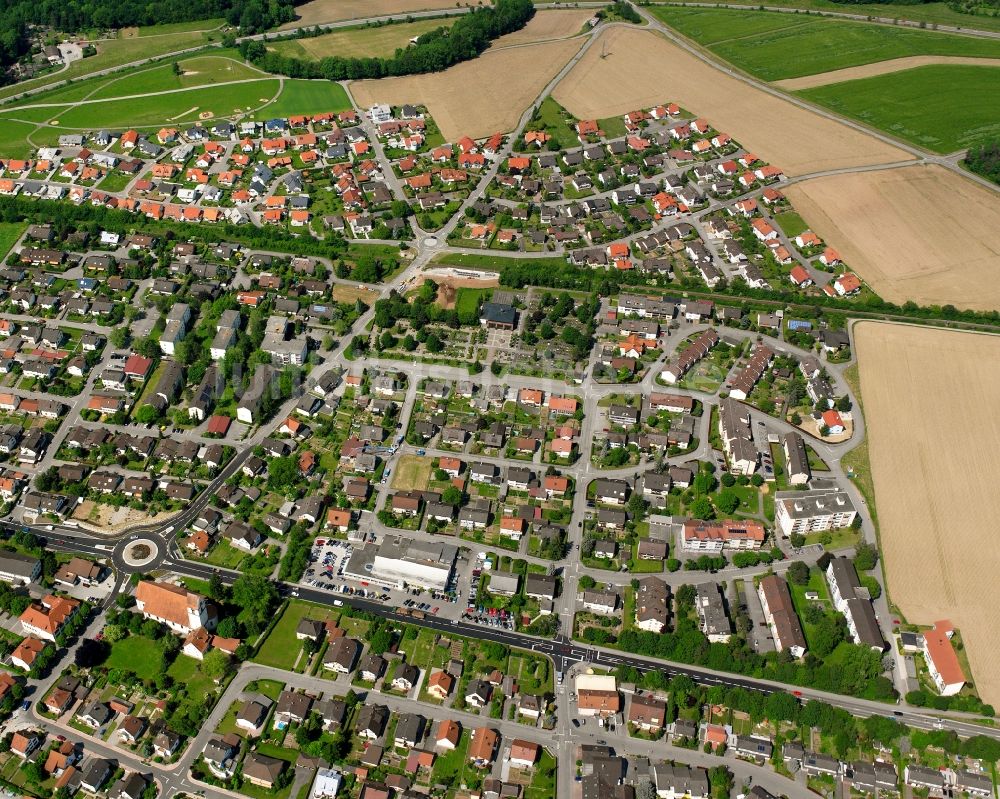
(622, 80)
(937, 506)
(920, 233)
(941, 108)
(198, 71)
(774, 46)
(372, 42)
(306, 97)
(185, 106)
(471, 98)
(13, 135)
(124, 50)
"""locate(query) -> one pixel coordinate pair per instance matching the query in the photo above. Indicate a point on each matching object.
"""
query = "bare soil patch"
(937, 506)
(479, 97)
(918, 233)
(319, 11)
(413, 472)
(108, 519)
(350, 294)
(880, 68)
(548, 24)
(642, 68)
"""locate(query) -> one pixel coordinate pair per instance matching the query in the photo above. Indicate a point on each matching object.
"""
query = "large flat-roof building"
(398, 560)
(824, 507)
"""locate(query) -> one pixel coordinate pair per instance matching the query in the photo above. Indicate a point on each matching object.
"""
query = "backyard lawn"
(282, 648)
(10, 232)
(137, 654)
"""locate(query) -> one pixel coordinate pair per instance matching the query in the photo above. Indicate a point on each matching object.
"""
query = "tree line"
(984, 160)
(434, 51)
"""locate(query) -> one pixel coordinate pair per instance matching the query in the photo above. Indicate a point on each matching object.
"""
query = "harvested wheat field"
(880, 68)
(470, 99)
(893, 228)
(317, 12)
(545, 25)
(937, 505)
(642, 69)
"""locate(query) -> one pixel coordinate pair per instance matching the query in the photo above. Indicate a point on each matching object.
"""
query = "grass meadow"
(360, 42)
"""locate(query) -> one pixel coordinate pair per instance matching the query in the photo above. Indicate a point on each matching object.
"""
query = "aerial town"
(519, 401)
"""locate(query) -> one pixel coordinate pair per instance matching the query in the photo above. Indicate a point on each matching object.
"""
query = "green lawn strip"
(780, 51)
(543, 778)
(10, 232)
(495, 262)
(115, 181)
(939, 107)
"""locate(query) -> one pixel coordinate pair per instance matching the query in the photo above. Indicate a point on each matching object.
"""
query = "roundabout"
(138, 553)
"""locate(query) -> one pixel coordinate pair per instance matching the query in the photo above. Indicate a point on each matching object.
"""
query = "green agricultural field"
(306, 97)
(123, 50)
(198, 71)
(931, 13)
(368, 42)
(940, 108)
(13, 138)
(176, 108)
(790, 50)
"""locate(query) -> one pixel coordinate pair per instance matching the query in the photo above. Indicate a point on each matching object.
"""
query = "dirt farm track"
(930, 408)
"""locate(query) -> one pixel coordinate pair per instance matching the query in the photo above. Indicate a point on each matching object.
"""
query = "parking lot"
(488, 617)
(327, 562)
(326, 569)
